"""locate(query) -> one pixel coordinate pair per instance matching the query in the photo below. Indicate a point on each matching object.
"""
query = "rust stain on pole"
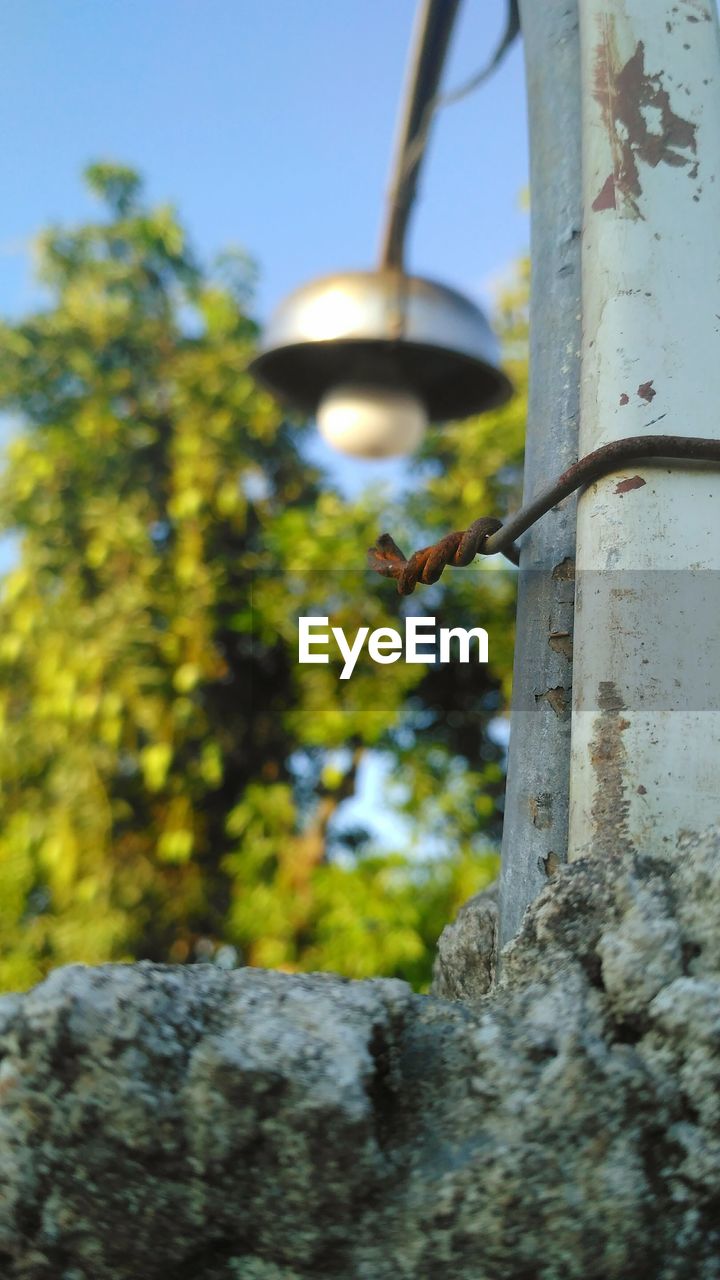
(608, 756)
(633, 482)
(558, 699)
(640, 121)
(605, 198)
(650, 295)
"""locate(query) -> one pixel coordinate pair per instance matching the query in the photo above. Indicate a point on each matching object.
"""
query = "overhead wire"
(512, 29)
(421, 105)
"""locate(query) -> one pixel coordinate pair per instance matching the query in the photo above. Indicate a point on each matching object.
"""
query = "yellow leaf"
(175, 846)
(155, 762)
(186, 677)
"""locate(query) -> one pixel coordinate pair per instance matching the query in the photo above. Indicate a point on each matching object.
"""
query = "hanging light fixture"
(375, 355)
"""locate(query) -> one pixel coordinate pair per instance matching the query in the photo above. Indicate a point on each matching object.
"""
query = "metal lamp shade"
(382, 329)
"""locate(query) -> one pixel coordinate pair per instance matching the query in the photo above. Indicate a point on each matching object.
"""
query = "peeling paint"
(654, 125)
(556, 698)
(541, 810)
(561, 642)
(605, 198)
(549, 865)
(633, 482)
(641, 123)
(565, 570)
(608, 757)
(701, 10)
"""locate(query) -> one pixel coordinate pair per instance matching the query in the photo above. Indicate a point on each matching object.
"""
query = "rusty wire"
(487, 535)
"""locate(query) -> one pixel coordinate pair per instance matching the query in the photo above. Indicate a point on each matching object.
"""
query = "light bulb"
(371, 422)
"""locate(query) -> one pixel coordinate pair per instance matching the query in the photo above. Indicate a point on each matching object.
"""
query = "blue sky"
(270, 124)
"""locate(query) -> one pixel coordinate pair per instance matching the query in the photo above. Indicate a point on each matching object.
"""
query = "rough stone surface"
(466, 960)
(193, 1123)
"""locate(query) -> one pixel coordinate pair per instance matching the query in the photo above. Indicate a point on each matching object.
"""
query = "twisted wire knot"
(458, 548)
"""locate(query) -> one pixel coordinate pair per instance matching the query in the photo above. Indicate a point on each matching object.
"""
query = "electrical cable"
(416, 148)
(421, 104)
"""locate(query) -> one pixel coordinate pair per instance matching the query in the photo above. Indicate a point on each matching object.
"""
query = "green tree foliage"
(171, 780)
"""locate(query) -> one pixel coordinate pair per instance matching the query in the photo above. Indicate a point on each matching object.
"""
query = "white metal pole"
(645, 762)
